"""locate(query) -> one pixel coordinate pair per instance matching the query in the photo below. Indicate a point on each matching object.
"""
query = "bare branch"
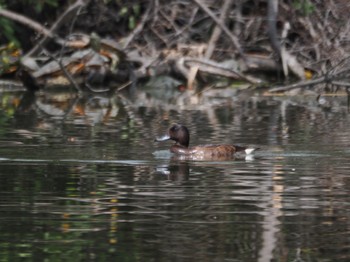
(217, 31)
(224, 28)
(139, 27)
(64, 18)
(26, 21)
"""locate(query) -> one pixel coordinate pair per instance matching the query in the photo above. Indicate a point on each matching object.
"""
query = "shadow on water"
(82, 178)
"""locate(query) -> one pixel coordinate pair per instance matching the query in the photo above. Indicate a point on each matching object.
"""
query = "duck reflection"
(179, 166)
(179, 171)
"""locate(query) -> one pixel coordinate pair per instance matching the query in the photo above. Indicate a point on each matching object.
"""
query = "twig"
(297, 85)
(65, 72)
(204, 90)
(69, 76)
(155, 12)
(190, 22)
(64, 18)
(341, 83)
(272, 27)
(47, 33)
(139, 27)
(217, 30)
(59, 61)
(12, 85)
(30, 23)
(71, 27)
(123, 86)
(224, 28)
(211, 45)
(96, 90)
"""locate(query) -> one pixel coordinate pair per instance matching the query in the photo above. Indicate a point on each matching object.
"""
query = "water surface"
(86, 182)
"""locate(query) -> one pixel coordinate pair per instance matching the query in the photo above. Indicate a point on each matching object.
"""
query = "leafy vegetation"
(8, 32)
(32, 7)
(305, 6)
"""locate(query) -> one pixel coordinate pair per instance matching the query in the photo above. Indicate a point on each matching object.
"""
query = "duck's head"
(177, 133)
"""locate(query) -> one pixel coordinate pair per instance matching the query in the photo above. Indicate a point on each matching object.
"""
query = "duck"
(180, 134)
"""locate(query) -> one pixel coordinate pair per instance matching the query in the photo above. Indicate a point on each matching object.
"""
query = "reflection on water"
(82, 180)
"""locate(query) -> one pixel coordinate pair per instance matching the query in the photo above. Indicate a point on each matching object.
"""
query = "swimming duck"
(181, 136)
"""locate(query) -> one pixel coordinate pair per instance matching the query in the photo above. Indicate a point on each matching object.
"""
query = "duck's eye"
(174, 128)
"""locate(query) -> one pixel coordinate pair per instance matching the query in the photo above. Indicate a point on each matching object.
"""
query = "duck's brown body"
(207, 150)
(181, 136)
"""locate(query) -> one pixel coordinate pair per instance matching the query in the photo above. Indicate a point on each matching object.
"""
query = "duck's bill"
(162, 138)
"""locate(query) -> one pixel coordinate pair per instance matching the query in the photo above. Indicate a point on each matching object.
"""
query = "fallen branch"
(298, 85)
(214, 68)
(333, 79)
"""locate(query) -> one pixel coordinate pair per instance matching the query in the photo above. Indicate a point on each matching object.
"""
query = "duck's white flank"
(249, 151)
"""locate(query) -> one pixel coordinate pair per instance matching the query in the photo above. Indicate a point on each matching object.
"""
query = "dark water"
(84, 181)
